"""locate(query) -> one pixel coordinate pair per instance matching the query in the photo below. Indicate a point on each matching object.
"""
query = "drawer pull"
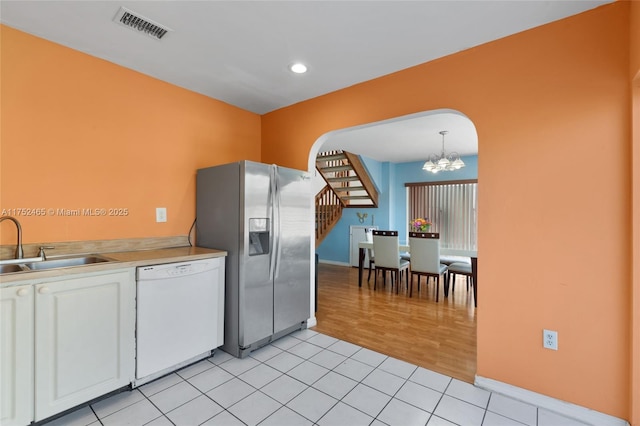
(23, 292)
(44, 290)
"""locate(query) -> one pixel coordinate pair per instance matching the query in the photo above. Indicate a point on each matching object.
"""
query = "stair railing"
(328, 212)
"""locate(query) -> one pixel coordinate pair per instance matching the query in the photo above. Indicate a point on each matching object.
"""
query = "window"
(451, 206)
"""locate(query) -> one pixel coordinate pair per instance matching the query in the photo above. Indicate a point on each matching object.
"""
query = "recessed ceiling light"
(298, 68)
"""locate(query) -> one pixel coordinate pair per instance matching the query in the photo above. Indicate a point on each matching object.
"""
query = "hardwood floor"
(438, 336)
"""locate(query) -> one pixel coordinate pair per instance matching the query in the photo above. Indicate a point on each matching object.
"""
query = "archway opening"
(384, 321)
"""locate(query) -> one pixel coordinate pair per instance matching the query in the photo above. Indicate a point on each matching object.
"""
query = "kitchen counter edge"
(118, 260)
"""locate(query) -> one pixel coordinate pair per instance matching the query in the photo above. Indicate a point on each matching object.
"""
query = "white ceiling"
(239, 51)
(411, 138)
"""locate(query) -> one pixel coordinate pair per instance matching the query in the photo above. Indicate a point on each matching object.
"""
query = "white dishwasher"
(180, 315)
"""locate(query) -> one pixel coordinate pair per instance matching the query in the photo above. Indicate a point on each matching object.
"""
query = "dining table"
(404, 248)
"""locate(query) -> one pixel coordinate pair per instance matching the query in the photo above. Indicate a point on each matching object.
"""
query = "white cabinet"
(85, 339)
(16, 355)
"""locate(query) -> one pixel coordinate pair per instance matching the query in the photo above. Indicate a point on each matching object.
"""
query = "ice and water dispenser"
(258, 236)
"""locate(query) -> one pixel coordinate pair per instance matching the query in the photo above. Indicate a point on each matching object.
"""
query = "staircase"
(328, 212)
(348, 186)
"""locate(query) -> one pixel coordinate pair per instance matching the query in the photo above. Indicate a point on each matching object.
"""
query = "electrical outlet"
(161, 214)
(550, 339)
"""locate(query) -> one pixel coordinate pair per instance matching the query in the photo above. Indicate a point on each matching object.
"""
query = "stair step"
(344, 183)
(335, 169)
(342, 179)
(330, 157)
(348, 188)
(355, 197)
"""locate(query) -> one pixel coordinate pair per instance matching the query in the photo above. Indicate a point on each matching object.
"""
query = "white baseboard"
(312, 322)
(333, 262)
(564, 408)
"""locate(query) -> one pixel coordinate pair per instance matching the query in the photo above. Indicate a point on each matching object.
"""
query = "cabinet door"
(16, 355)
(84, 334)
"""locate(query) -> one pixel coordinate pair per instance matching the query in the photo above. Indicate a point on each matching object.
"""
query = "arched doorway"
(388, 329)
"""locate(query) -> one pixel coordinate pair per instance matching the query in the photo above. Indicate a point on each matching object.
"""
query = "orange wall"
(635, 75)
(634, 39)
(552, 111)
(80, 132)
(635, 353)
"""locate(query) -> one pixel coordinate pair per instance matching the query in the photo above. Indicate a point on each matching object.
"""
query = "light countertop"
(118, 260)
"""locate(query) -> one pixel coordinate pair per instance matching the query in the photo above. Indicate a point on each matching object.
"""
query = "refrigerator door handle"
(272, 213)
(276, 222)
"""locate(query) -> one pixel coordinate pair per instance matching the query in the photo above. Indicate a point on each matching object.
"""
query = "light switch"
(161, 214)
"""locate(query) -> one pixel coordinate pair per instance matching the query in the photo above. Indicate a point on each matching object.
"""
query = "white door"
(84, 332)
(16, 355)
(356, 235)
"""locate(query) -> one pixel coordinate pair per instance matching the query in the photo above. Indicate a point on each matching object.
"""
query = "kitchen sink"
(7, 269)
(66, 262)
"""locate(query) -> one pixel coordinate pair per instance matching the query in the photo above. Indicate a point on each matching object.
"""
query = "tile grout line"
(392, 369)
(361, 382)
(250, 385)
(357, 383)
(329, 370)
(364, 384)
(201, 394)
(442, 394)
(95, 414)
(162, 414)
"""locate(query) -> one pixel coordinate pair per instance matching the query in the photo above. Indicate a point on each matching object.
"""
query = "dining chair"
(445, 260)
(448, 260)
(386, 247)
(369, 238)
(425, 259)
(460, 268)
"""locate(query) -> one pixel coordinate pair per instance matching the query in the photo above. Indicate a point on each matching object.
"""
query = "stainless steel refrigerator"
(261, 215)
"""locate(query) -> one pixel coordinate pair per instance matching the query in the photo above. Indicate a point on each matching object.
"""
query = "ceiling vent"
(135, 21)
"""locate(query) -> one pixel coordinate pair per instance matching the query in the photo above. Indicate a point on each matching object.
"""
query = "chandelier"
(447, 162)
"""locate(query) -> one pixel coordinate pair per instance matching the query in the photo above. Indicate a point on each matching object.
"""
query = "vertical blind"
(452, 208)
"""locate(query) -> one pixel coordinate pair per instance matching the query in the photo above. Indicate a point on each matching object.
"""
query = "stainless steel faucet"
(41, 252)
(19, 252)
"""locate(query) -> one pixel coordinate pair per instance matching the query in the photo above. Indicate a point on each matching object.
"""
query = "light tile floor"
(308, 378)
